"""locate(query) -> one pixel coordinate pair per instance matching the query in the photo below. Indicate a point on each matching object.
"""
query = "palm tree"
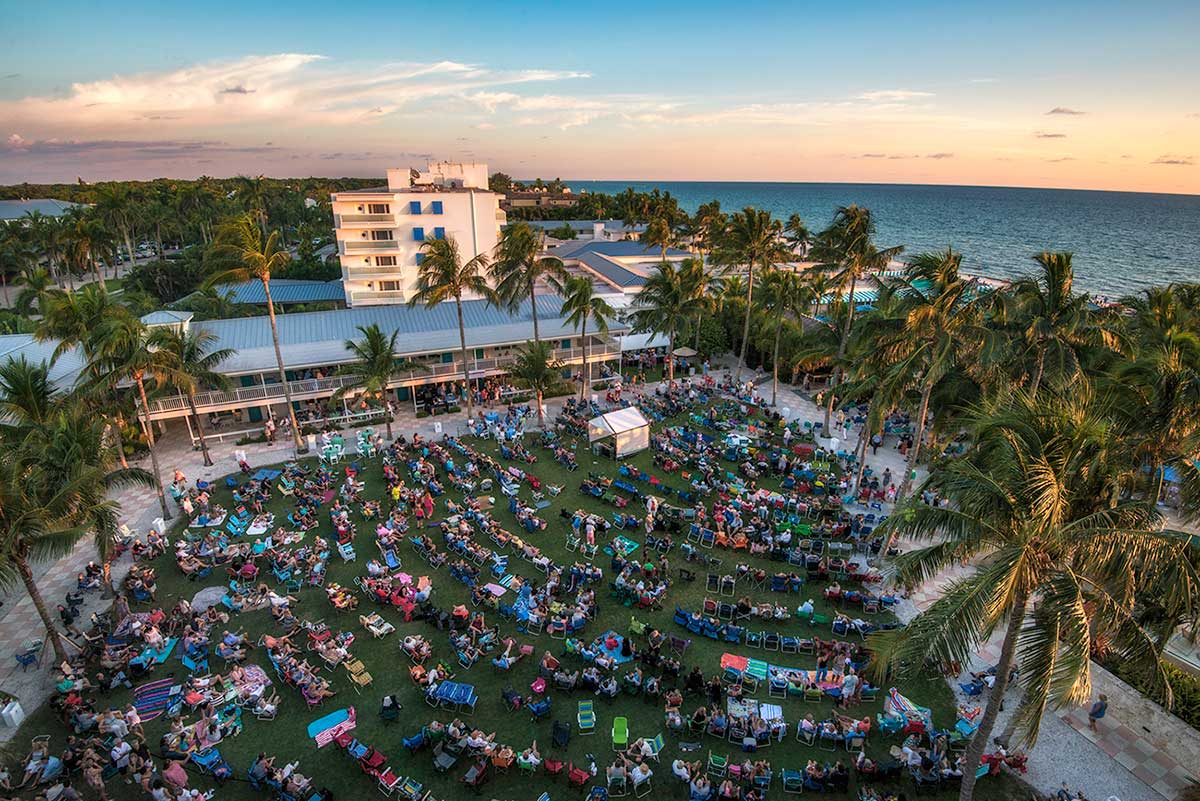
(797, 235)
(847, 244)
(519, 266)
(88, 240)
(27, 398)
(443, 276)
(35, 282)
(1052, 318)
(374, 365)
(785, 297)
(938, 333)
(706, 227)
(536, 369)
(197, 203)
(195, 365)
(129, 354)
(580, 306)
(76, 320)
(116, 206)
(659, 234)
(258, 255)
(1036, 503)
(46, 234)
(752, 239)
(255, 195)
(700, 285)
(17, 254)
(663, 307)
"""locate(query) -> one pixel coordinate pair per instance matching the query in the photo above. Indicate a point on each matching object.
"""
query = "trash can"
(12, 714)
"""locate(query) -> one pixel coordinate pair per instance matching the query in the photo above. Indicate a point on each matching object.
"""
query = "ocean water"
(1123, 242)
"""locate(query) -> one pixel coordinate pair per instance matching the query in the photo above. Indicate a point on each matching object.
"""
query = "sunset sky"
(1085, 95)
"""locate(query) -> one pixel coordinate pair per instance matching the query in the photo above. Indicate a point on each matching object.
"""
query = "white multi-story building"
(380, 231)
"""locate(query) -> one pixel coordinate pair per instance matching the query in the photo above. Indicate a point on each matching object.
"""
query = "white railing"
(343, 219)
(370, 245)
(374, 270)
(381, 296)
(307, 388)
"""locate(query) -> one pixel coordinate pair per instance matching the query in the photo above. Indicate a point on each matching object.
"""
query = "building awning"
(643, 341)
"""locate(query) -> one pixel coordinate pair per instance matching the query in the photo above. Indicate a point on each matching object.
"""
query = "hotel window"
(436, 207)
(566, 344)
(420, 258)
(439, 233)
(385, 261)
(414, 207)
(381, 236)
(378, 208)
(447, 358)
(389, 286)
(479, 353)
(418, 234)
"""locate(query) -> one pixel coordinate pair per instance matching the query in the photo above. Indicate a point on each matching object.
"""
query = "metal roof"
(318, 338)
(63, 373)
(167, 317)
(286, 290)
(16, 209)
(587, 225)
(623, 249)
(612, 271)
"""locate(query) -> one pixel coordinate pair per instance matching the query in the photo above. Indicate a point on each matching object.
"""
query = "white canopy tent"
(628, 427)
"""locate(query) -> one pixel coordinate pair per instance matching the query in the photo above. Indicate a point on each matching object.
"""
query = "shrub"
(422, 415)
(1186, 688)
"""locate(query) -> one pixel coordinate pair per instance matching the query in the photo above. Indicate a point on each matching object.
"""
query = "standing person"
(1098, 710)
(120, 757)
(876, 441)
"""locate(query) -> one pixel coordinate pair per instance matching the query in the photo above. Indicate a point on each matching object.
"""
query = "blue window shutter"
(420, 258)
(439, 233)
(418, 234)
(479, 353)
(566, 344)
(437, 206)
(447, 358)
(414, 207)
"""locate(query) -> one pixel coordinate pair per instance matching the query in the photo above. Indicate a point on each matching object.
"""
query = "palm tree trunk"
(833, 382)
(96, 270)
(699, 320)
(533, 308)
(914, 452)
(983, 735)
(583, 369)
(841, 351)
(1037, 376)
(775, 361)
(128, 249)
(287, 390)
(158, 485)
(115, 430)
(35, 595)
(462, 339)
(671, 356)
(864, 437)
(191, 396)
(541, 417)
(746, 323)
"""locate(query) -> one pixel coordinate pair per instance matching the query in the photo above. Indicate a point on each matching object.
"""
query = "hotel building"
(380, 231)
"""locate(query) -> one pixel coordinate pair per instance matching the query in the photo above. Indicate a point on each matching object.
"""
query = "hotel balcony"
(368, 297)
(308, 388)
(360, 246)
(373, 271)
(362, 220)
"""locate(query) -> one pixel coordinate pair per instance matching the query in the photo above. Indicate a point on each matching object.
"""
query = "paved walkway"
(1116, 762)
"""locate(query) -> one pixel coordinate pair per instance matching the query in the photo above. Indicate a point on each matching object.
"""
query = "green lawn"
(286, 736)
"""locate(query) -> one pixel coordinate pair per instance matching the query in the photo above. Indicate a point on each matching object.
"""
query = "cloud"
(940, 156)
(1049, 135)
(18, 145)
(10, 76)
(1064, 110)
(1060, 159)
(297, 88)
(1175, 161)
(892, 95)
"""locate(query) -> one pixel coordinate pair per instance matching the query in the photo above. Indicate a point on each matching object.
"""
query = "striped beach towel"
(151, 699)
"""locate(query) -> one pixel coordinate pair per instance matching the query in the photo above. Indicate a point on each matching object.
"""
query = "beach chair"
(620, 733)
(586, 718)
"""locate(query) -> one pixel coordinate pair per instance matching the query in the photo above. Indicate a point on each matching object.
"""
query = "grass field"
(332, 768)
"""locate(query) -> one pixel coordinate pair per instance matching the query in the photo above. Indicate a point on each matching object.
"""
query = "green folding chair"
(657, 744)
(620, 734)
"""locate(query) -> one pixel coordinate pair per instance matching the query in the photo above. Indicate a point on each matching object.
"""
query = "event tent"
(628, 428)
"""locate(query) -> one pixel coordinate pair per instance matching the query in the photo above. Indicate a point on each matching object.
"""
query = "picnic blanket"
(161, 655)
(326, 728)
(266, 474)
(897, 704)
(150, 699)
(627, 545)
(601, 642)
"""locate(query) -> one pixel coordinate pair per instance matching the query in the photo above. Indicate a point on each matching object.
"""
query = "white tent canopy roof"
(642, 341)
(628, 427)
